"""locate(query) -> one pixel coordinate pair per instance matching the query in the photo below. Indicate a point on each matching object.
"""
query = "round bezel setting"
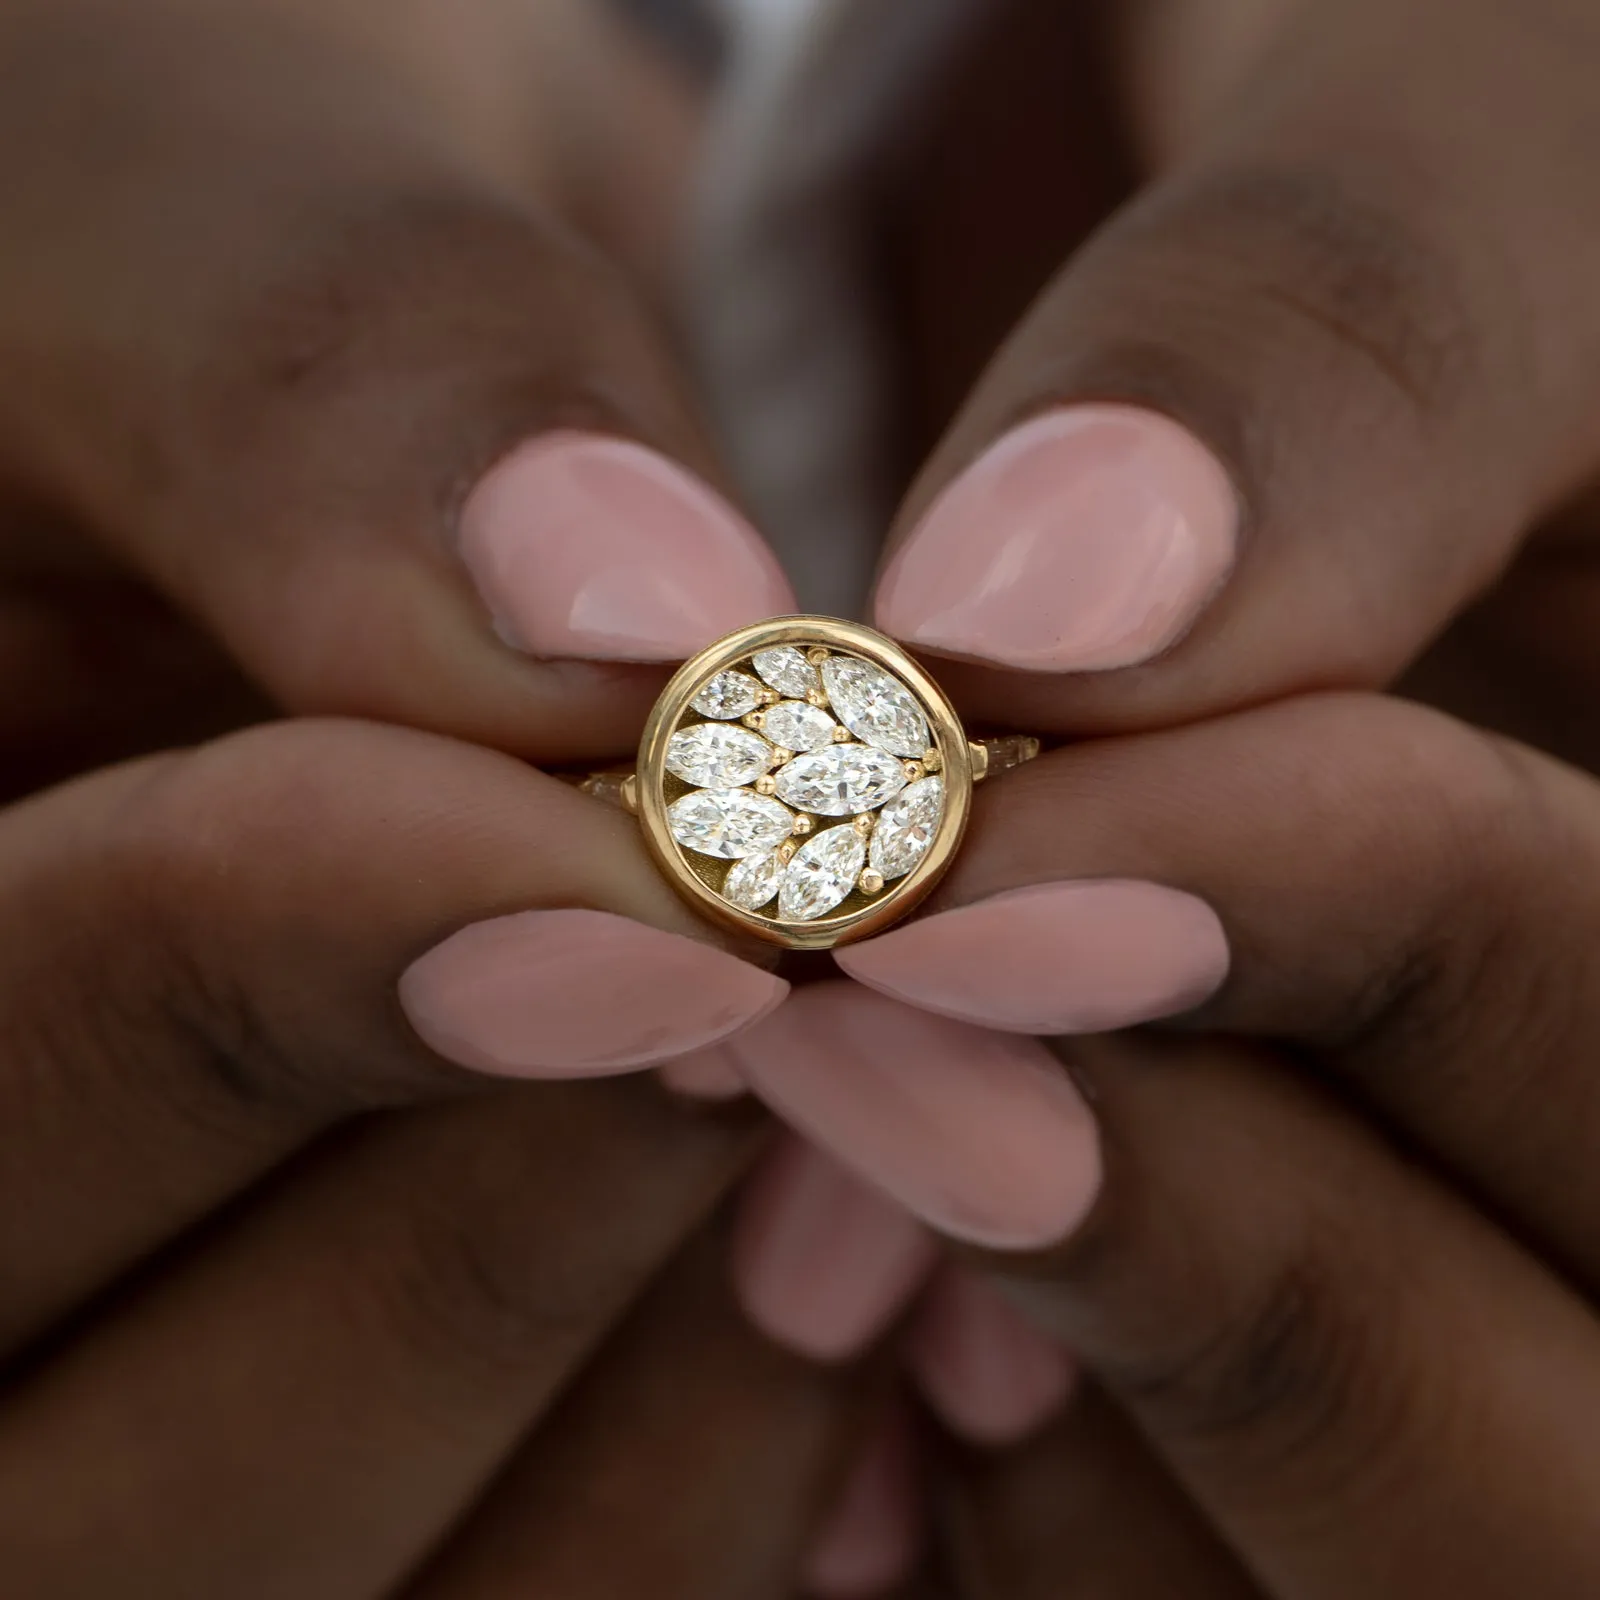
(894, 757)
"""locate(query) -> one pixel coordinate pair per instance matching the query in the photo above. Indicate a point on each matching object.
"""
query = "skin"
(296, 1309)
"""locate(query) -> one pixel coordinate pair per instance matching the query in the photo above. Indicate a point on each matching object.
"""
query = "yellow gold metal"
(780, 756)
(872, 903)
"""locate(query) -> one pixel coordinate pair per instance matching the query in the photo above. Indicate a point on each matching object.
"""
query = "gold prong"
(871, 881)
(914, 771)
(630, 794)
(770, 697)
(803, 824)
(841, 734)
(864, 823)
(780, 755)
(753, 719)
(932, 761)
(815, 697)
(766, 784)
(816, 655)
(787, 849)
(980, 760)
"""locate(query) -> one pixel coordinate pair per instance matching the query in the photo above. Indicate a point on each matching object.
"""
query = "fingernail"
(1085, 956)
(1086, 539)
(870, 1540)
(708, 1075)
(569, 994)
(588, 546)
(982, 1135)
(822, 1263)
(984, 1369)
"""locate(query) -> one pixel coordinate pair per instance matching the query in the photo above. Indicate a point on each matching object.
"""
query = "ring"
(805, 781)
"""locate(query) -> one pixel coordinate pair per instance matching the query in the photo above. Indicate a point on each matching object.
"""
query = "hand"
(1335, 1261)
(268, 1331)
(287, 282)
(1331, 267)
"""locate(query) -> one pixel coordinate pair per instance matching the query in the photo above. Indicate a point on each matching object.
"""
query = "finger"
(597, 1502)
(822, 1262)
(340, 1373)
(1278, 422)
(1367, 1386)
(871, 1541)
(1083, 1508)
(989, 1375)
(1408, 899)
(394, 408)
(202, 955)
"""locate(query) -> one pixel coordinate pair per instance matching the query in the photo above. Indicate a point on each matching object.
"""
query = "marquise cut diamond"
(751, 883)
(821, 874)
(711, 755)
(907, 827)
(875, 706)
(798, 726)
(841, 781)
(727, 696)
(731, 823)
(787, 670)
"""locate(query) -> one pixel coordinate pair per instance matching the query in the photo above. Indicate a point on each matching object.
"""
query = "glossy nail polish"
(593, 547)
(980, 1134)
(1086, 539)
(871, 1539)
(1081, 956)
(984, 1369)
(823, 1263)
(570, 994)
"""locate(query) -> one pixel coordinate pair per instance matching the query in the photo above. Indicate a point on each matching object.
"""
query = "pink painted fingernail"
(589, 546)
(1085, 956)
(709, 1075)
(872, 1538)
(822, 1264)
(980, 1134)
(1086, 539)
(570, 994)
(983, 1368)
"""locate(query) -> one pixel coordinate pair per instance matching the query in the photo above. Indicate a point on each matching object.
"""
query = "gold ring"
(805, 781)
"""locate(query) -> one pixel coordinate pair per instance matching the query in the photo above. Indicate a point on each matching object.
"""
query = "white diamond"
(842, 780)
(821, 873)
(874, 706)
(731, 823)
(728, 695)
(752, 882)
(797, 726)
(787, 670)
(906, 828)
(711, 755)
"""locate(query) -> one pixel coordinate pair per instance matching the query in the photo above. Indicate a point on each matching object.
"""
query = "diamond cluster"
(813, 773)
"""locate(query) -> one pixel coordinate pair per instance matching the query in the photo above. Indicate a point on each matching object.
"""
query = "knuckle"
(1337, 275)
(450, 1292)
(436, 279)
(1282, 1375)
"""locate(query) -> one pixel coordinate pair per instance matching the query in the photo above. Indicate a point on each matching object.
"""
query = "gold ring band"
(804, 780)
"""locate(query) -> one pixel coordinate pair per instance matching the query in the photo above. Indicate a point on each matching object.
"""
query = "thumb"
(1283, 418)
